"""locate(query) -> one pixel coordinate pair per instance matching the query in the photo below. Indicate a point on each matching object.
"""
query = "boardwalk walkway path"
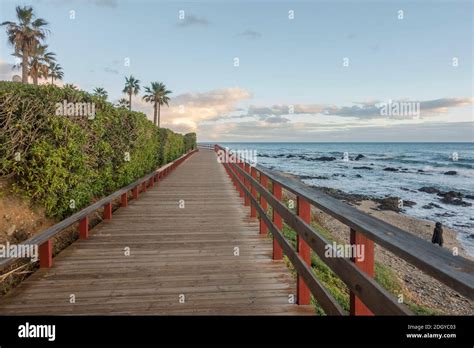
(182, 259)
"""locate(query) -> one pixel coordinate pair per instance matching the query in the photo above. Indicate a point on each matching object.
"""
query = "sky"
(274, 70)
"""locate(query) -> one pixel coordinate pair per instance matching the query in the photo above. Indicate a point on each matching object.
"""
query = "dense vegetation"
(63, 163)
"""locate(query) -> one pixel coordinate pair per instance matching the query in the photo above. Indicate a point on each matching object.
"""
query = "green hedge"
(190, 141)
(53, 159)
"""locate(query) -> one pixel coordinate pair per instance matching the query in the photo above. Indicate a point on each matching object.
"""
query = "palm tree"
(55, 72)
(123, 103)
(70, 86)
(100, 92)
(131, 87)
(25, 35)
(39, 61)
(158, 95)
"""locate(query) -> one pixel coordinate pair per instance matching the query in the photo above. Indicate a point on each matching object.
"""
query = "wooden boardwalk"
(182, 260)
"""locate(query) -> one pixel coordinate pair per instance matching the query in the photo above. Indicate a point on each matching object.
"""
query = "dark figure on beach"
(438, 234)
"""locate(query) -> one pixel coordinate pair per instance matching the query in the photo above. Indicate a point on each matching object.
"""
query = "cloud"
(373, 109)
(278, 110)
(310, 131)
(250, 34)
(276, 119)
(367, 109)
(187, 110)
(111, 71)
(192, 20)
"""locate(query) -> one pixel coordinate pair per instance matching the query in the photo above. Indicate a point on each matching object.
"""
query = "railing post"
(84, 228)
(151, 182)
(135, 192)
(276, 218)
(253, 191)
(124, 200)
(304, 212)
(239, 176)
(247, 185)
(264, 182)
(144, 186)
(46, 254)
(232, 169)
(366, 264)
(108, 211)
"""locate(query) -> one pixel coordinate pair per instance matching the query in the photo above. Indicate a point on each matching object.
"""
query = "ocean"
(385, 169)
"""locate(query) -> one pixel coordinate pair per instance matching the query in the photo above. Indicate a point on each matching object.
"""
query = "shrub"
(190, 141)
(53, 160)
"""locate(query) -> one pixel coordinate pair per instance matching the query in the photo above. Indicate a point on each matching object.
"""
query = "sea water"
(417, 165)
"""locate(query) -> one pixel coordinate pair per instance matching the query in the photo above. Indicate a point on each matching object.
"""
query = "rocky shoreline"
(422, 289)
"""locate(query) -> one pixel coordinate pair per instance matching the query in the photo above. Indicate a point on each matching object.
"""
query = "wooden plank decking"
(173, 252)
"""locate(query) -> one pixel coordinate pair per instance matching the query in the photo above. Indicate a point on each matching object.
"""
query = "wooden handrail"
(44, 238)
(205, 146)
(454, 271)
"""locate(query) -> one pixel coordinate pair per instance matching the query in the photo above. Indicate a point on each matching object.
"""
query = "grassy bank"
(337, 288)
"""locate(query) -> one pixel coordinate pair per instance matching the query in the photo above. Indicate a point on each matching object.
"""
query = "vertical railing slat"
(276, 218)
(367, 264)
(253, 191)
(264, 182)
(46, 254)
(304, 212)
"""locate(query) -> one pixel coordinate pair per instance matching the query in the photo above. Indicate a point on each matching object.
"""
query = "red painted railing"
(367, 297)
(44, 239)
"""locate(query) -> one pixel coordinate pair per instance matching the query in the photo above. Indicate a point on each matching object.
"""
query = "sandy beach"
(420, 287)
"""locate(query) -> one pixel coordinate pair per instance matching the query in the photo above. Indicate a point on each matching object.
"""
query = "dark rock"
(390, 169)
(420, 171)
(303, 177)
(450, 195)
(388, 203)
(445, 214)
(407, 203)
(343, 196)
(431, 206)
(363, 167)
(457, 201)
(324, 158)
(339, 174)
(290, 156)
(453, 198)
(358, 157)
(469, 196)
(358, 176)
(451, 172)
(20, 236)
(429, 189)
